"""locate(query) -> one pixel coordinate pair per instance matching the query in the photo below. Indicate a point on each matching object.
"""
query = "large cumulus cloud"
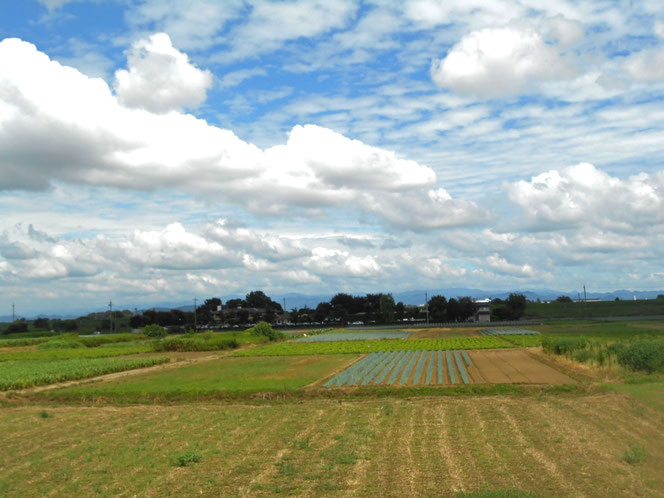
(85, 135)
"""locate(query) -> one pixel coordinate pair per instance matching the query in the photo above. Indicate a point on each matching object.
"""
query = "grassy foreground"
(556, 446)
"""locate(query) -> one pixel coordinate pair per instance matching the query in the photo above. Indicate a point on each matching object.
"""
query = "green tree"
(516, 306)
(386, 307)
(41, 323)
(438, 309)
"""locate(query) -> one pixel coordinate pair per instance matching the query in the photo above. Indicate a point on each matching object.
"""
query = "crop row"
(354, 347)
(357, 336)
(22, 374)
(397, 367)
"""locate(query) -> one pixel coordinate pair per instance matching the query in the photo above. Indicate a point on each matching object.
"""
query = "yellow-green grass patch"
(215, 377)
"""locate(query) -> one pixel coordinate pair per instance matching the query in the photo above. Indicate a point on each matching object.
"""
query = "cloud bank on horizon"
(313, 147)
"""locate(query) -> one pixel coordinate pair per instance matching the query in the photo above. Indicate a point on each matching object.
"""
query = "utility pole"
(195, 324)
(110, 307)
(426, 303)
(585, 308)
(13, 312)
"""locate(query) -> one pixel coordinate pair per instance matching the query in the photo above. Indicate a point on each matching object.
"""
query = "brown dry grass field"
(550, 446)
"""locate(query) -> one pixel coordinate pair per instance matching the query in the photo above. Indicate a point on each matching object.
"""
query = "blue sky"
(155, 150)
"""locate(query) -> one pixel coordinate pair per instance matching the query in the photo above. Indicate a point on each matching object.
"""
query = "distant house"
(483, 313)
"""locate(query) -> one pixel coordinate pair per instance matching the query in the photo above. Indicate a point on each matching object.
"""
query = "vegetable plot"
(406, 368)
(343, 347)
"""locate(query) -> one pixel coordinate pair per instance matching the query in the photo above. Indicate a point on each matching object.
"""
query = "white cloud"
(585, 195)
(160, 78)
(54, 4)
(659, 29)
(564, 31)
(341, 263)
(501, 265)
(647, 66)
(437, 268)
(271, 24)
(86, 137)
(499, 61)
(192, 24)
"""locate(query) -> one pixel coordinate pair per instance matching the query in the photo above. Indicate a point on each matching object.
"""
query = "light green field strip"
(359, 347)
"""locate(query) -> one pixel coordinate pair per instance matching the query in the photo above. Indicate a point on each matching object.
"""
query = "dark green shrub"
(155, 331)
(647, 356)
(266, 330)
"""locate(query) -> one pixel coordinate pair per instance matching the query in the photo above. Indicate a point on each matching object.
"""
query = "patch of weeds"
(386, 409)
(559, 439)
(327, 485)
(635, 455)
(187, 459)
(286, 468)
(302, 444)
(44, 414)
(582, 440)
(346, 458)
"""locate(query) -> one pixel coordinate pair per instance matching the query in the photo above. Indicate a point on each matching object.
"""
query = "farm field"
(552, 446)
(445, 368)
(224, 376)
(21, 374)
(439, 416)
(364, 346)
(356, 336)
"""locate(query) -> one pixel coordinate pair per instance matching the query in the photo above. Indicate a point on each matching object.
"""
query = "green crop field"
(61, 354)
(357, 336)
(353, 347)
(601, 309)
(22, 374)
(227, 375)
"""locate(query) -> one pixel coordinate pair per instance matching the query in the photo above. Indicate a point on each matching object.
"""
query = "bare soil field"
(513, 367)
(551, 446)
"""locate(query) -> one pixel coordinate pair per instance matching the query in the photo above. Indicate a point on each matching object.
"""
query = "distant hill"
(417, 297)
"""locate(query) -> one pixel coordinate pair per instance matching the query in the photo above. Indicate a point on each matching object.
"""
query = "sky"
(156, 150)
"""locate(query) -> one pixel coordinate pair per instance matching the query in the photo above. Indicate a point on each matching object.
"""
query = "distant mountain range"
(296, 300)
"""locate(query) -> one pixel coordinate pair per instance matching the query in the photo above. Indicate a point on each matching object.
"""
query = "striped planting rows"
(399, 368)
